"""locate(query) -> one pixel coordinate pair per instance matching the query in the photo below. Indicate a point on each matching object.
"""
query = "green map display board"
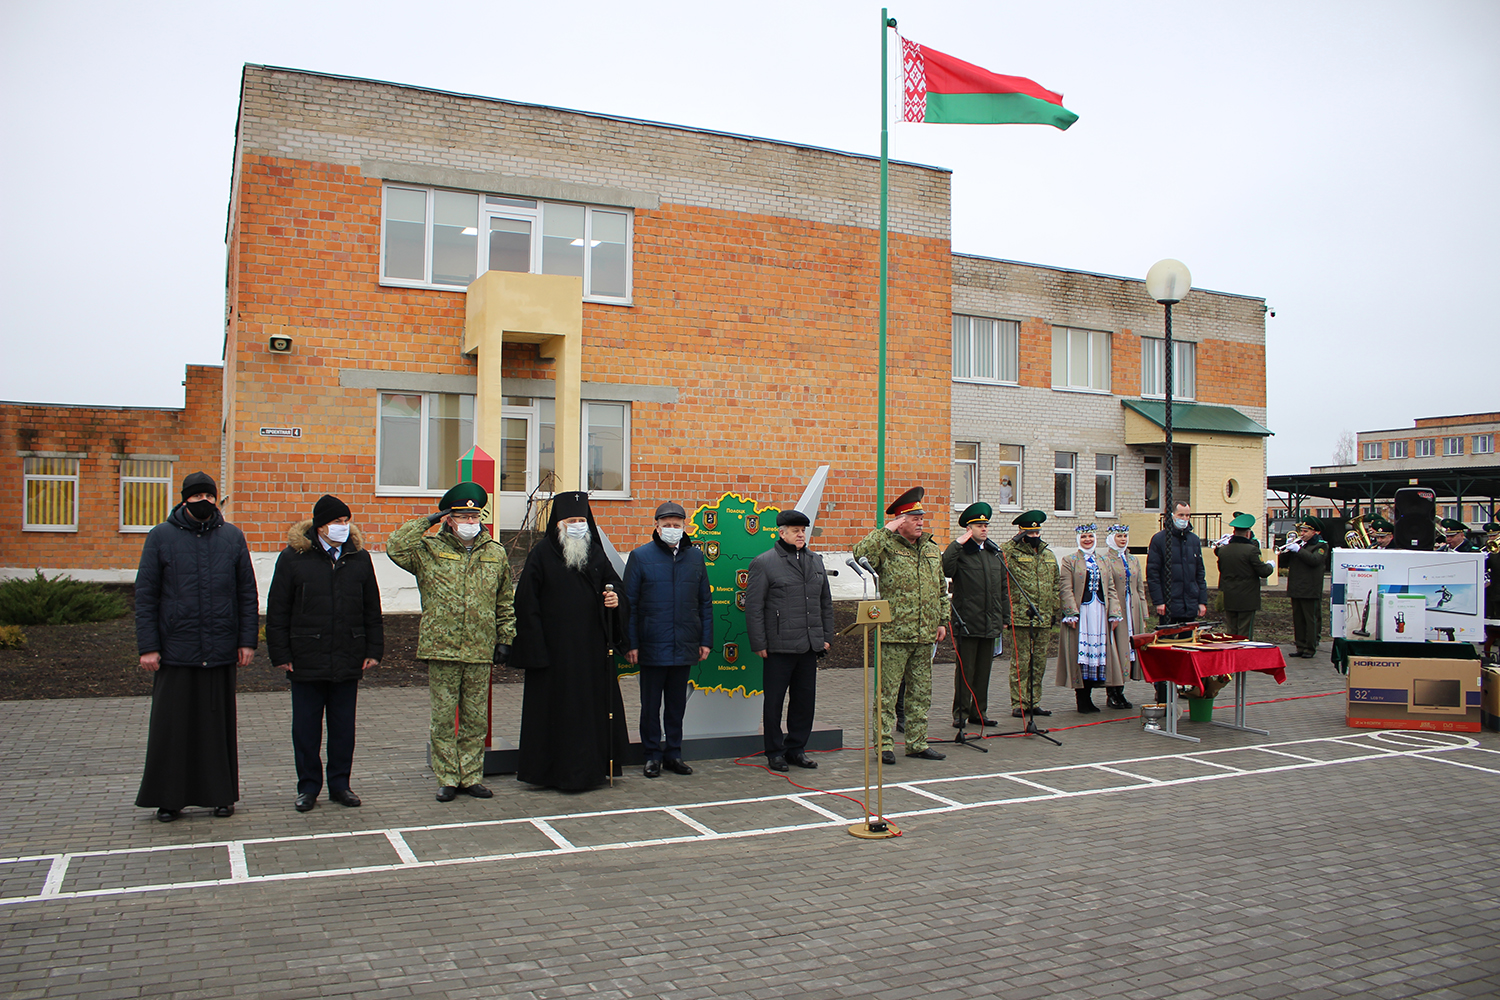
(731, 531)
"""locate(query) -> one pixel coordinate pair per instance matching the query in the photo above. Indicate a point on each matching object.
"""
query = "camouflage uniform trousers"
(911, 662)
(458, 761)
(1029, 652)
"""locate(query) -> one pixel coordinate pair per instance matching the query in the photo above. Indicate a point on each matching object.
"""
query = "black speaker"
(1416, 509)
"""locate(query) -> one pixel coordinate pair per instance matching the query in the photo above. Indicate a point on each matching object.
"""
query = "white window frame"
(489, 211)
(583, 447)
(1452, 512)
(1396, 449)
(1185, 359)
(383, 490)
(1101, 474)
(49, 477)
(1017, 468)
(1453, 446)
(1154, 462)
(1426, 447)
(969, 474)
(1484, 444)
(1063, 385)
(158, 480)
(1370, 452)
(1002, 344)
(1482, 514)
(1058, 471)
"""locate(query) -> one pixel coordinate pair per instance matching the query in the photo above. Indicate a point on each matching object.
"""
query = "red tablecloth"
(1186, 666)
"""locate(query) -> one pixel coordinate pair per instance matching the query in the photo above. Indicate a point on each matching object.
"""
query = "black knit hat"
(199, 482)
(329, 508)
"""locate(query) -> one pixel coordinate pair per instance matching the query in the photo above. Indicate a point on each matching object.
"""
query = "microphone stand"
(1029, 727)
(962, 738)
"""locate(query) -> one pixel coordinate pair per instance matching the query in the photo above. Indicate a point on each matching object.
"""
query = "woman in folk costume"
(1089, 610)
(1129, 578)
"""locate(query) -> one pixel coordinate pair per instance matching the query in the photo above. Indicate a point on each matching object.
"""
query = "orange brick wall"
(104, 433)
(767, 327)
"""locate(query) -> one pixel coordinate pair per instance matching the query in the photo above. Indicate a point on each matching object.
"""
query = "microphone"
(854, 566)
(865, 562)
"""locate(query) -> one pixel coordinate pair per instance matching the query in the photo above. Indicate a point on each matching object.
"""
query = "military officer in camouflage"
(1030, 610)
(468, 623)
(910, 565)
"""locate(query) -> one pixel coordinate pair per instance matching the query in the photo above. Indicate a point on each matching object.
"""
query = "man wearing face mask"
(196, 619)
(1185, 599)
(671, 627)
(1030, 611)
(569, 621)
(468, 623)
(324, 628)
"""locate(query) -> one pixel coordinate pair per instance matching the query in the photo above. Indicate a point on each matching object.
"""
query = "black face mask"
(1035, 541)
(202, 509)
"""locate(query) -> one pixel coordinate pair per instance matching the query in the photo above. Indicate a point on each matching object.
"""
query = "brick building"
(1058, 395)
(80, 485)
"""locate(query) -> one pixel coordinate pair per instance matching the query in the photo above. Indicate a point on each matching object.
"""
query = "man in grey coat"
(789, 617)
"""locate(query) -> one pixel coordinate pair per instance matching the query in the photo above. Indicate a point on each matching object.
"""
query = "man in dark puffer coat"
(323, 627)
(670, 628)
(195, 622)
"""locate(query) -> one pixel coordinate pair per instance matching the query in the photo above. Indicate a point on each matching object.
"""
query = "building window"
(1372, 451)
(1482, 514)
(605, 446)
(445, 239)
(1425, 447)
(965, 474)
(1104, 484)
(1062, 482)
(50, 489)
(1008, 459)
(986, 350)
(145, 493)
(1397, 449)
(1453, 446)
(1080, 359)
(421, 437)
(1451, 511)
(1153, 483)
(1484, 444)
(1184, 368)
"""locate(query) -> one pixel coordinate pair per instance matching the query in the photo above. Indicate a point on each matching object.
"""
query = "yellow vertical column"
(542, 309)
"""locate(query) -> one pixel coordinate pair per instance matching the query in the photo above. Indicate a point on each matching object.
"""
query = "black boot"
(1115, 697)
(1085, 700)
(1161, 692)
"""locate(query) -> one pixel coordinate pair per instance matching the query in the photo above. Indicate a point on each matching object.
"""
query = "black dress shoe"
(900, 725)
(223, 812)
(167, 815)
(652, 769)
(1015, 713)
(1037, 710)
(888, 756)
(478, 791)
(677, 765)
(928, 754)
(777, 762)
(306, 801)
(345, 797)
(801, 759)
(447, 793)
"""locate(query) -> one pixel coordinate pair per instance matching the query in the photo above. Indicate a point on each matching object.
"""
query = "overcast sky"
(1338, 159)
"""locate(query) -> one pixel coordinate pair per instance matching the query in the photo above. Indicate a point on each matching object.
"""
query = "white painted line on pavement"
(403, 849)
(239, 870)
(562, 842)
(687, 820)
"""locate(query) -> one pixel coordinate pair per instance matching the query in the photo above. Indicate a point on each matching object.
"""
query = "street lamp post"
(1168, 282)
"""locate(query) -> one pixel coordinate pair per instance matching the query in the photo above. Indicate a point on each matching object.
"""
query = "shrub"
(11, 637)
(61, 600)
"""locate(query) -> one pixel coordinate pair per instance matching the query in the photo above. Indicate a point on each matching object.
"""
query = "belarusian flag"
(940, 88)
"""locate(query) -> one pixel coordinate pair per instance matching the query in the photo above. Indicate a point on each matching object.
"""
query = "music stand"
(872, 615)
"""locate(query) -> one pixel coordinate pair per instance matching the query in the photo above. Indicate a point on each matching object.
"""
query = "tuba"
(1358, 535)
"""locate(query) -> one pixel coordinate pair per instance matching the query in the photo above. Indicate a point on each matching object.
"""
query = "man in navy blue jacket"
(671, 627)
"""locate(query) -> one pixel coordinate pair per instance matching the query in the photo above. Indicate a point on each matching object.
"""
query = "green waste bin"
(1200, 709)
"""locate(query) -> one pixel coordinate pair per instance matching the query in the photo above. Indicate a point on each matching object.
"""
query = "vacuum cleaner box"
(1403, 618)
(1413, 693)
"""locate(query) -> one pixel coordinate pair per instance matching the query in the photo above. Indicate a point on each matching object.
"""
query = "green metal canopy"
(1200, 417)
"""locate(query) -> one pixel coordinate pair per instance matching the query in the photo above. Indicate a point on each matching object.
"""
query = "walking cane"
(609, 736)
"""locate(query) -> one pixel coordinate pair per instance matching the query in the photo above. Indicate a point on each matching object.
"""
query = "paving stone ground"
(1319, 861)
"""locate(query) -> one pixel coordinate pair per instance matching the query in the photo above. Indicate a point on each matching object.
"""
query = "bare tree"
(1343, 450)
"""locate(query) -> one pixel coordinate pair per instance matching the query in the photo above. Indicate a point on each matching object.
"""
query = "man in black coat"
(323, 627)
(972, 561)
(1306, 557)
(1185, 599)
(789, 624)
(196, 620)
(1240, 571)
(569, 620)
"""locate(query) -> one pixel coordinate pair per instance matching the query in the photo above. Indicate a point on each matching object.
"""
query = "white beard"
(575, 550)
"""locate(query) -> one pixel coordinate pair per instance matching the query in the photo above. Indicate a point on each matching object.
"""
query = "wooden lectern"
(872, 615)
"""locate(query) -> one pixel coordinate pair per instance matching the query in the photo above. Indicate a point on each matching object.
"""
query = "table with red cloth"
(1188, 666)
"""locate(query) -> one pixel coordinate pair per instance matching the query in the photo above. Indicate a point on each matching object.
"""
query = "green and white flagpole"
(886, 23)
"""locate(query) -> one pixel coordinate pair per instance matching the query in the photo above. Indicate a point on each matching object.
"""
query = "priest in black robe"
(570, 617)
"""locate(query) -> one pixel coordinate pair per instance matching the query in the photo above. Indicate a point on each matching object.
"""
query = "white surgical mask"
(579, 529)
(467, 530)
(1179, 523)
(338, 534)
(670, 535)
